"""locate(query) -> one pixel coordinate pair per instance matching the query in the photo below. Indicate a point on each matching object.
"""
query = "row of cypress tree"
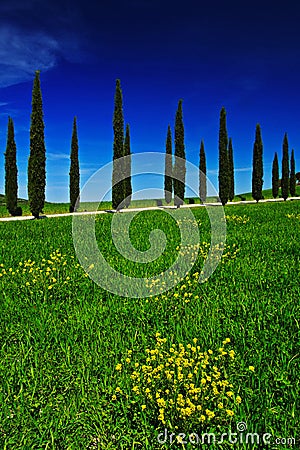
(289, 176)
(36, 161)
(174, 183)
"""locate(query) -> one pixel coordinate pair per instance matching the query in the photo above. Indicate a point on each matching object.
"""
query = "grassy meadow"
(82, 368)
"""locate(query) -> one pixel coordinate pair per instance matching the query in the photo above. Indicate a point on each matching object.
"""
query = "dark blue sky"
(241, 55)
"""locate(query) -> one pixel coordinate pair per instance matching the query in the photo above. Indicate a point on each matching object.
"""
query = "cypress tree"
(127, 180)
(293, 175)
(11, 171)
(118, 149)
(285, 169)
(179, 165)
(223, 159)
(230, 171)
(168, 167)
(202, 174)
(74, 170)
(275, 176)
(37, 156)
(257, 173)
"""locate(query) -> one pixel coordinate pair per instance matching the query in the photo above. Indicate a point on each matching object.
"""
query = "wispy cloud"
(241, 169)
(57, 156)
(23, 52)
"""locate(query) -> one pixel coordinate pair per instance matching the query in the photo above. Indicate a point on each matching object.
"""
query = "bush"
(191, 201)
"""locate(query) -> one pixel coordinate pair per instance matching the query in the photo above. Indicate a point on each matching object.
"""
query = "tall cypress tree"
(257, 173)
(202, 174)
(275, 176)
(223, 159)
(230, 171)
(118, 149)
(168, 167)
(127, 180)
(180, 164)
(37, 156)
(11, 171)
(74, 170)
(293, 175)
(285, 169)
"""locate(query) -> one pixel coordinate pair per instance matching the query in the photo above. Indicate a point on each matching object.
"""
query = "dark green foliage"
(223, 159)
(37, 157)
(285, 168)
(118, 149)
(11, 171)
(202, 174)
(127, 180)
(74, 171)
(293, 175)
(230, 171)
(180, 164)
(297, 175)
(168, 168)
(275, 176)
(257, 173)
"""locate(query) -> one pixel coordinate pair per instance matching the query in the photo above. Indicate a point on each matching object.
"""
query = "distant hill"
(267, 193)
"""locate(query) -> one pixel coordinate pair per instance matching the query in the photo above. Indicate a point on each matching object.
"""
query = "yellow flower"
(229, 412)
(114, 397)
(143, 407)
(118, 389)
(251, 368)
(119, 367)
(238, 399)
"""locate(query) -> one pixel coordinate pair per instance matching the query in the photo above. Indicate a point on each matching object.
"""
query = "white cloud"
(57, 156)
(23, 52)
(241, 169)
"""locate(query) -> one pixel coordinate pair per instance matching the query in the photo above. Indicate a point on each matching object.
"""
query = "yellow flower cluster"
(293, 216)
(44, 276)
(225, 252)
(237, 219)
(181, 383)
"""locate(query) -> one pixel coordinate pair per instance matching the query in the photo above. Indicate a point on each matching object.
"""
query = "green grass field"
(82, 368)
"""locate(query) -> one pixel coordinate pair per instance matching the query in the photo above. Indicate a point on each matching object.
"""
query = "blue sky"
(244, 56)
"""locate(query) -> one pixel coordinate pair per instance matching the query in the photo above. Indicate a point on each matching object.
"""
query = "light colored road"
(8, 219)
